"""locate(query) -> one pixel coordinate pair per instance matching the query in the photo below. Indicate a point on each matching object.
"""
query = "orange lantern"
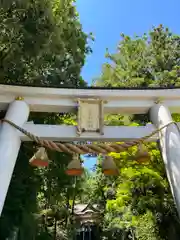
(40, 158)
(74, 167)
(142, 155)
(109, 167)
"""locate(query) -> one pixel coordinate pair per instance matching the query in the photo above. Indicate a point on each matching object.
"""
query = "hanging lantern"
(74, 167)
(40, 158)
(142, 156)
(109, 167)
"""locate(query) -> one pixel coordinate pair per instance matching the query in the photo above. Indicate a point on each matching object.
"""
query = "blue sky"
(107, 19)
(89, 162)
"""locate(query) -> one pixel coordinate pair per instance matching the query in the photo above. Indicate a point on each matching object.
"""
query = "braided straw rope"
(103, 148)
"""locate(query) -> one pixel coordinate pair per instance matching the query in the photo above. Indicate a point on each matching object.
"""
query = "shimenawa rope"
(103, 148)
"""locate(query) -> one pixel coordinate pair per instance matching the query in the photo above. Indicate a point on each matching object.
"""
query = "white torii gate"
(18, 101)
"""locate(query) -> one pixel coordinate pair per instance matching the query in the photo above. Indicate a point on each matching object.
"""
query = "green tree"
(42, 43)
(142, 193)
(150, 60)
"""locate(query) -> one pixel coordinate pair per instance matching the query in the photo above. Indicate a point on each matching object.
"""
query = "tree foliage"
(148, 61)
(142, 206)
(41, 43)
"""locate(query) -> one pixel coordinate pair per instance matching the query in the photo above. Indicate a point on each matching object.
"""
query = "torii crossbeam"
(18, 101)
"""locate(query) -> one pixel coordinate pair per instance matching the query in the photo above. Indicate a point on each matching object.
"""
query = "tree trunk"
(55, 228)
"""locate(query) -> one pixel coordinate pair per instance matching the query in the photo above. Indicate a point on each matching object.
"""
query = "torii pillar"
(10, 142)
(170, 147)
